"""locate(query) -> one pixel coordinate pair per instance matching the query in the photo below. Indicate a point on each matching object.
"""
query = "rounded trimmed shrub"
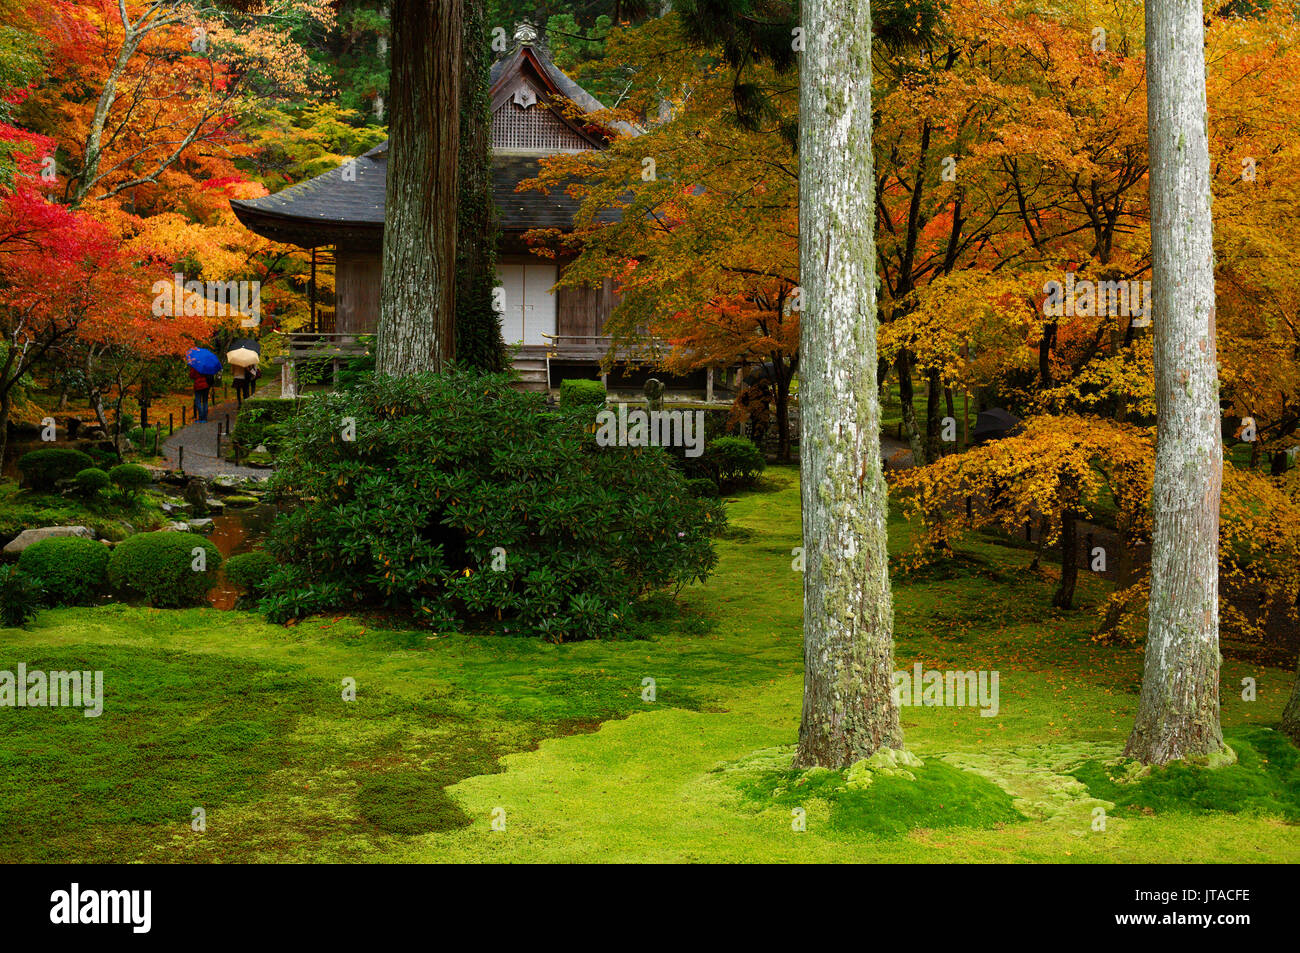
(735, 461)
(130, 478)
(90, 481)
(582, 393)
(43, 469)
(469, 503)
(249, 571)
(70, 569)
(20, 596)
(161, 567)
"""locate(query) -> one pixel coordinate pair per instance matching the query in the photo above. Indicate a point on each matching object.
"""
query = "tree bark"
(933, 416)
(478, 327)
(848, 704)
(417, 299)
(1063, 598)
(1178, 713)
(906, 399)
(782, 397)
(1291, 714)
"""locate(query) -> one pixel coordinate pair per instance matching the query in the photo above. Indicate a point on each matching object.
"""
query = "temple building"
(339, 215)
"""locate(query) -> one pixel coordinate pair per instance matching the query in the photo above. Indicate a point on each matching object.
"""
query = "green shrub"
(249, 571)
(580, 393)
(465, 501)
(734, 461)
(160, 567)
(130, 479)
(43, 469)
(702, 487)
(263, 420)
(70, 569)
(90, 481)
(20, 596)
(146, 439)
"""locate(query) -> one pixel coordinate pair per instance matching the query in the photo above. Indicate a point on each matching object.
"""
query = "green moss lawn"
(448, 732)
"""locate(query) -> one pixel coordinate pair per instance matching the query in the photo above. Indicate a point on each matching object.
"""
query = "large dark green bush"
(467, 502)
(249, 571)
(734, 461)
(160, 567)
(70, 569)
(130, 479)
(580, 393)
(43, 469)
(90, 481)
(20, 596)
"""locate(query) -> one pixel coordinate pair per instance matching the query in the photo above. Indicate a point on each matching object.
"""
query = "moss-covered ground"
(497, 749)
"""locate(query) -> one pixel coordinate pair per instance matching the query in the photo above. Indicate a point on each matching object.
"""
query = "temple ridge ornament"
(525, 32)
(524, 97)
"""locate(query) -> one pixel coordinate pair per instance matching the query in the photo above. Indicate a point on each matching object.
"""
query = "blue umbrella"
(203, 361)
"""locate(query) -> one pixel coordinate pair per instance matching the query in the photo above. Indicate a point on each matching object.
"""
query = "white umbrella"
(243, 357)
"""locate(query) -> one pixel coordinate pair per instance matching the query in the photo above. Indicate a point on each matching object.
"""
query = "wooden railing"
(315, 345)
(584, 346)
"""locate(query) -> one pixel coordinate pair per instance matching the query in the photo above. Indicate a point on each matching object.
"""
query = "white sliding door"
(529, 307)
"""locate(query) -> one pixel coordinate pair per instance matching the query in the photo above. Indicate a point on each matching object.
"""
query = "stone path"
(200, 442)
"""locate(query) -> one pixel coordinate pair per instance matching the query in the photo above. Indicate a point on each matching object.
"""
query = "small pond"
(237, 531)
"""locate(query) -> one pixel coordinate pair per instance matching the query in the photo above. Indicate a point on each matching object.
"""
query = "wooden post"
(180, 459)
(171, 424)
(315, 327)
(184, 410)
(708, 386)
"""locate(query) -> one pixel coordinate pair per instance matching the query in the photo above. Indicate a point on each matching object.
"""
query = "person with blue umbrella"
(203, 366)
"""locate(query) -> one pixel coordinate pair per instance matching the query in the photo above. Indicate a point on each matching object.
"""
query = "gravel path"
(200, 442)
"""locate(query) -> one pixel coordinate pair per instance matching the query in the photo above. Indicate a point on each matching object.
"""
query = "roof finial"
(525, 33)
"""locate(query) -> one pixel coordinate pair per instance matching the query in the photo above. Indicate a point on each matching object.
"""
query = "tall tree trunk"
(1063, 598)
(5, 403)
(1291, 714)
(783, 420)
(933, 415)
(417, 298)
(906, 399)
(1178, 713)
(478, 327)
(848, 704)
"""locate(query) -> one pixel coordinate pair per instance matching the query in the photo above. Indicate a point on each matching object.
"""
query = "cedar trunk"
(478, 326)
(1178, 712)
(848, 704)
(417, 298)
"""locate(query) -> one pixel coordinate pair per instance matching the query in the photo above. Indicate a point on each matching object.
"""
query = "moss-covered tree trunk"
(1178, 712)
(1291, 714)
(848, 704)
(417, 300)
(478, 327)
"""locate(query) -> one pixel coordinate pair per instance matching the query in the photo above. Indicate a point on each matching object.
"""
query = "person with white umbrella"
(243, 360)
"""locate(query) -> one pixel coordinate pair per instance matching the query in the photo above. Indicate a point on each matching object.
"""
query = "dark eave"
(327, 210)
